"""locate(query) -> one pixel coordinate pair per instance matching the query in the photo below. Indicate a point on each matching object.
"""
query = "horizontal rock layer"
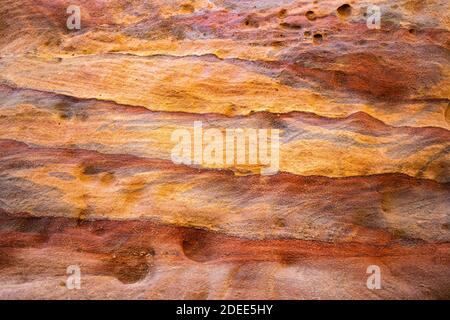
(140, 259)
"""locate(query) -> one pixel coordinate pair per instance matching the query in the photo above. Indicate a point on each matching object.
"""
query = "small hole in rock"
(345, 10)
(310, 15)
(251, 22)
(290, 25)
(282, 13)
(317, 38)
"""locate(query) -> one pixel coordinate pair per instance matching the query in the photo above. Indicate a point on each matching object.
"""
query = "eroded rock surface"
(86, 177)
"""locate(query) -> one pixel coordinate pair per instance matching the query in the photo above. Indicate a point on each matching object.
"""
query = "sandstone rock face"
(87, 176)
